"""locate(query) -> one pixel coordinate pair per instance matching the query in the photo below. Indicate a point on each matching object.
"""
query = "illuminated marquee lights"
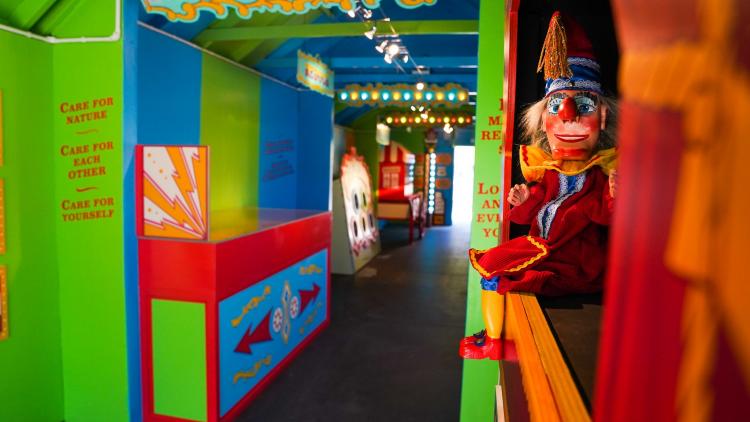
(431, 185)
(403, 95)
(409, 119)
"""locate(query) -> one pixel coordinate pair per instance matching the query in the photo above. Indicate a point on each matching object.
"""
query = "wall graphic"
(2, 183)
(1, 130)
(189, 10)
(263, 324)
(3, 303)
(175, 191)
(86, 158)
(443, 184)
(355, 183)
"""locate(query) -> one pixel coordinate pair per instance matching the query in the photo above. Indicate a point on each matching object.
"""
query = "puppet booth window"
(568, 195)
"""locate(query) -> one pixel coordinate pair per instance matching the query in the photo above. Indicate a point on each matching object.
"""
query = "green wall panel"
(230, 126)
(480, 377)
(30, 359)
(90, 251)
(413, 141)
(179, 353)
(364, 140)
(65, 358)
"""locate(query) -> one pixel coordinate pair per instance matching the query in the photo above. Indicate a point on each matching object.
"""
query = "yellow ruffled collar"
(534, 161)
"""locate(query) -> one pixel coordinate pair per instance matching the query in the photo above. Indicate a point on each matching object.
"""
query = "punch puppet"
(568, 198)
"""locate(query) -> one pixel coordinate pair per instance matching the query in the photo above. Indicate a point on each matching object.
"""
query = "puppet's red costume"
(568, 201)
(566, 249)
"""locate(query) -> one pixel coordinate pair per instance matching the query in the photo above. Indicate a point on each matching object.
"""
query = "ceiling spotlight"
(420, 86)
(371, 33)
(381, 47)
(367, 13)
(394, 49)
(421, 108)
(412, 108)
(352, 13)
(447, 128)
(405, 58)
(388, 58)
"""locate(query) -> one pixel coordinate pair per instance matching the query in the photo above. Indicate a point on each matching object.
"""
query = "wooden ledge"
(551, 393)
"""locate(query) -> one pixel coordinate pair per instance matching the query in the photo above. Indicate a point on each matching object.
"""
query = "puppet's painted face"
(572, 121)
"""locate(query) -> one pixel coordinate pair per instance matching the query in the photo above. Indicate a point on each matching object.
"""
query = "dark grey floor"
(391, 351)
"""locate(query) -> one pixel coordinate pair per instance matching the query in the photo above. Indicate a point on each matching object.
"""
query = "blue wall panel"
(130, 139)
(315, 151)
(169, 91)
(279, 146)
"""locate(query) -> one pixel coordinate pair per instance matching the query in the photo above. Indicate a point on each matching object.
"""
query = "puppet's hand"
(518, 195)
(613, 183)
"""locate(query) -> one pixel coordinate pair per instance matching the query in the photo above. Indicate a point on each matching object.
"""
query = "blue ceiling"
(447, 58)
(444, 58)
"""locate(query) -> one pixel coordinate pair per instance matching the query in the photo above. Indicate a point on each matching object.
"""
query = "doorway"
(463, 179)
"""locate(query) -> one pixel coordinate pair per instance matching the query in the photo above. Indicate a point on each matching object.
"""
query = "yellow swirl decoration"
(252, 304)
(240, 375)
(246, 8)
(3, 304)
(416, 3)
(310, 318)
(310, 269)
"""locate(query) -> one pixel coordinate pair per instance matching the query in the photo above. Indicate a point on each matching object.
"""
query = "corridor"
(390, 352)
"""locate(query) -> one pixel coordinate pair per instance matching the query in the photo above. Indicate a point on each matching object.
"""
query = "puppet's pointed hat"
(568, 57)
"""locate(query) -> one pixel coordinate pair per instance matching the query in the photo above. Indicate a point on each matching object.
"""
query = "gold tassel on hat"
(554, 58)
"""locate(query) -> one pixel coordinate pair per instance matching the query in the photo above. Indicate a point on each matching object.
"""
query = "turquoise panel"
(261, 325)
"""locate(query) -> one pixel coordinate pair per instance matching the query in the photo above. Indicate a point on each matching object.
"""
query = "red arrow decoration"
(261, 334)
(308, 296)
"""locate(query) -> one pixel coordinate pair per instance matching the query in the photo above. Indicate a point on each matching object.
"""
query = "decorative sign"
(356, 186)
(87, 159)
(279, 161)
(314, 74)
(428, 119)
(403, 95)
(2, 216)
(1, 130)
(3, 303)
(189, 10)
(263, 324)
(175, 191)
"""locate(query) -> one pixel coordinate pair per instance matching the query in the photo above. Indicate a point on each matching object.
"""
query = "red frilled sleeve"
(526, 212)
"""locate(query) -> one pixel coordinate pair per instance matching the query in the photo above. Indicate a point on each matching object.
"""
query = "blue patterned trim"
(582, 61)
(569, 185)
(576, 84)
(490, 284)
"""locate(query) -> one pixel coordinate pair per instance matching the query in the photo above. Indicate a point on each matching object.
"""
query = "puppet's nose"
(568, 110)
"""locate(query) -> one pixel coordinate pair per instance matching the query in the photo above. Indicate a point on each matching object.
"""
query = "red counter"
(221, 317)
